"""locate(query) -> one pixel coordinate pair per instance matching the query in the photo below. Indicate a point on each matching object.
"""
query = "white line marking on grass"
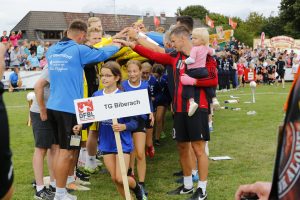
(246, 94)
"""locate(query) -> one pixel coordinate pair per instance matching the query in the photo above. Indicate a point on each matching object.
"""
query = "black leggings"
(6, 170)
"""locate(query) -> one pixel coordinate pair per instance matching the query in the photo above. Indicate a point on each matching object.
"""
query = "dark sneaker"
(157, 143)
(140, 195)
(180, 173)
(33, 183)
(198, 195)
(44, 194)
(144, 188)
(82, 175)
(52, 189)
(180, 190)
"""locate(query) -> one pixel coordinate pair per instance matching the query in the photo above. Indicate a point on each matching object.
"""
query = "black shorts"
(6, 169)
(62, 124)
(42, 131)
(141, 125)
(281, 74)
(194, 128)
(14, 85)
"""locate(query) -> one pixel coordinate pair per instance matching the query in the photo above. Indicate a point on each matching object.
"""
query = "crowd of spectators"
(268, 64)
(24, 54)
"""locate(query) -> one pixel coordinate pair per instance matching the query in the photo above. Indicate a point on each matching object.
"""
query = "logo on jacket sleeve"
(86, 109)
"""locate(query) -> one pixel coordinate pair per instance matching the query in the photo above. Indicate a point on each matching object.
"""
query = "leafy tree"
(273, 27)
(195, 11)
(289, 15)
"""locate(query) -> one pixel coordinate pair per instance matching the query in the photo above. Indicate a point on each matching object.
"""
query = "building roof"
(51, 20)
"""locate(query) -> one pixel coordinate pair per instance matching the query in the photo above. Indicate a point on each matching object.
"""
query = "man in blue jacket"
(66, 61)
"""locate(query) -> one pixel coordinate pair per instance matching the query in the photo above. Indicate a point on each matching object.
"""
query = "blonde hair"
(134, 62)
(203, 34)
(93, 29)
(93, 19)
(146, 65)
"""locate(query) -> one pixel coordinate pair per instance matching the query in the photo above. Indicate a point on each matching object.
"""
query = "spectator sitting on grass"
(15, 80)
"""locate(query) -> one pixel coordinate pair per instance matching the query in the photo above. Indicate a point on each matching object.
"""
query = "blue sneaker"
(211, 129)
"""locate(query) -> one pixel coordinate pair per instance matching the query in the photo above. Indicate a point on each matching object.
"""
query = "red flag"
(262, 40)
(156, 21)
(209, 22)
(232, 23)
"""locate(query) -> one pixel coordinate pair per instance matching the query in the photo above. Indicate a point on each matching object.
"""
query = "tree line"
(286, 23)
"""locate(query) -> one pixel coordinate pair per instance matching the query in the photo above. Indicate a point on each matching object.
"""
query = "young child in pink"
(196, 65)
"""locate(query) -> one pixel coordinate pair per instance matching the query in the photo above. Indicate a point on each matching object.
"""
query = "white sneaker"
(192, 109)
(66, 197)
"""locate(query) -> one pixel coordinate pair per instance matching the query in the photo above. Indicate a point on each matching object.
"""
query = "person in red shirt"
(240, 71)
(14, 38)
(4, 38)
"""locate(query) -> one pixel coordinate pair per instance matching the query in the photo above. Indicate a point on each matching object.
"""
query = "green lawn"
(249, 140)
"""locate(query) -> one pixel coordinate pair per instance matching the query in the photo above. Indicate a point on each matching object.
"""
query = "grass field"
(249, 140)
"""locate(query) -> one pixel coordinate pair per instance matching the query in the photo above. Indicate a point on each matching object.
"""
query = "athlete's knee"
(40, 151)
(140, 155)
(66, 155)
(183, 147)
(119, 180)
(199, 150)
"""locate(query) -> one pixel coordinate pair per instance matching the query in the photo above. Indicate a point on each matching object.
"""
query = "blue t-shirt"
(107, 142)
(152, 83)
(13, 78)
(34, 61)
(66, 61)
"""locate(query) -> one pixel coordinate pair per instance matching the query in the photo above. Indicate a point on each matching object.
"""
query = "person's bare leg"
(139, 139)
(38, 165)
(64, 162)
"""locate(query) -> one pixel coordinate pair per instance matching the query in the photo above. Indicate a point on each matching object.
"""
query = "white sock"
(39, 187)
(90, 161)
(202, 185)
(210, 124)
(53, 184)
(70, 179)
(60, 192)
(188, 182)
(194, 172)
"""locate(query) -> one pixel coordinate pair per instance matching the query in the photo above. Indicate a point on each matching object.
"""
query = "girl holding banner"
(134, 82)
(111, 78)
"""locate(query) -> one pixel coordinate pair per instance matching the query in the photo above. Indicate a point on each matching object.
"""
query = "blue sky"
(12, 11)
